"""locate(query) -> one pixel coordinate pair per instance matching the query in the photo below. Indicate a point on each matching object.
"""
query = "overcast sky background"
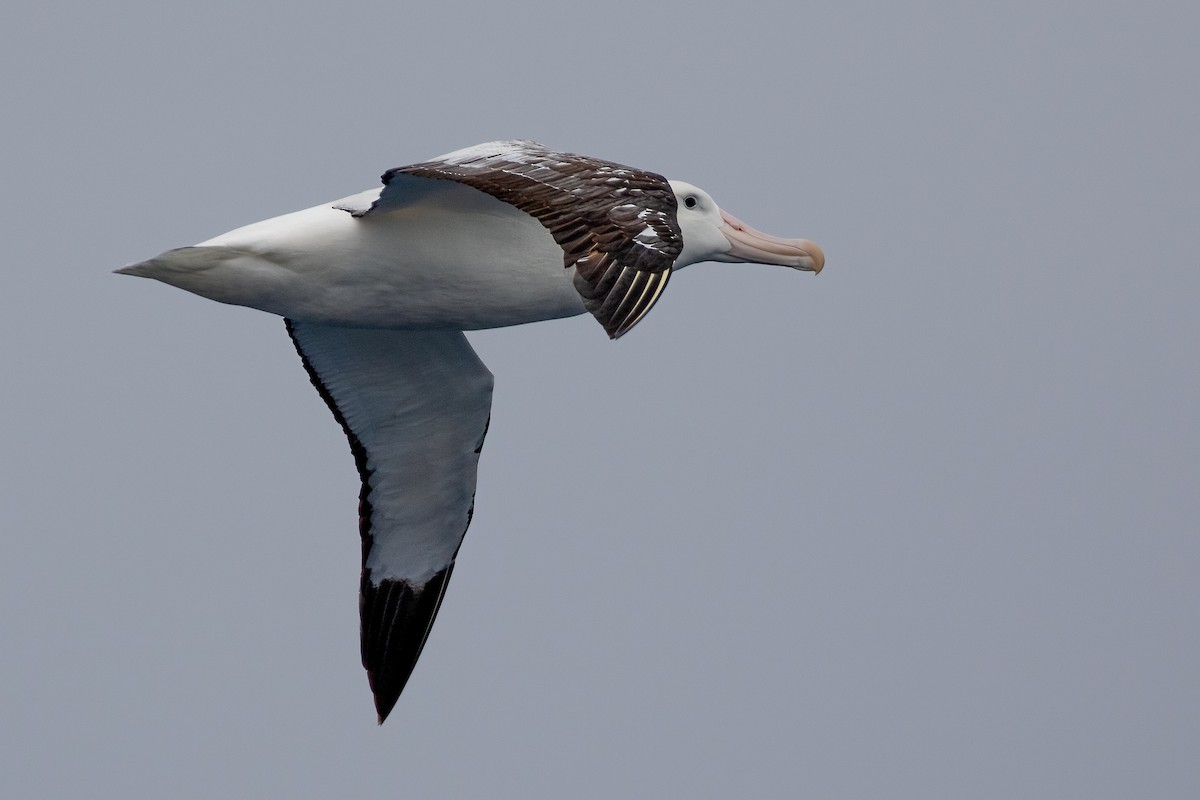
(922, 526)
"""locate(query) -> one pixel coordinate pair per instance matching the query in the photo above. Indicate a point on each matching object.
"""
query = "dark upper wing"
(415, 407)
(616, 224)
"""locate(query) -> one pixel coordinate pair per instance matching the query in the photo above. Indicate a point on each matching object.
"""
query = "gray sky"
(922, 526)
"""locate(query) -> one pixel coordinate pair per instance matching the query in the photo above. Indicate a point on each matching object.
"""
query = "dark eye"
(690, 202)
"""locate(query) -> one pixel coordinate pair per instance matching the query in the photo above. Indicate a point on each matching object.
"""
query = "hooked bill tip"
(817, 255)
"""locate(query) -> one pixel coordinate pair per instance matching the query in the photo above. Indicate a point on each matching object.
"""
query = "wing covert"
(616, 225)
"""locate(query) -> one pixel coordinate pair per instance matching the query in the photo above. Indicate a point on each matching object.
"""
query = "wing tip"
(396, 619)
(384, 705)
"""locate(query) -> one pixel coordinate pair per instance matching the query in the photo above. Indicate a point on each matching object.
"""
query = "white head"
(710, 234)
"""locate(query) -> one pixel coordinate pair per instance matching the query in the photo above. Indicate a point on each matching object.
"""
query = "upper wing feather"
(616, 224)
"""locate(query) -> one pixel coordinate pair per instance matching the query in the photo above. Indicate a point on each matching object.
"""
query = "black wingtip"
(383, 708)
(396, 620)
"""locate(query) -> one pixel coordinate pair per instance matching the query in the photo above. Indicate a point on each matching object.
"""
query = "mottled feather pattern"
(616, 224)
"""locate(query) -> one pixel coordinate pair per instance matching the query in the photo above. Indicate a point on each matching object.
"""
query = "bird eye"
(690, 202)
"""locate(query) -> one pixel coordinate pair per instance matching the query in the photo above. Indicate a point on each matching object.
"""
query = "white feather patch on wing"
(415, 405)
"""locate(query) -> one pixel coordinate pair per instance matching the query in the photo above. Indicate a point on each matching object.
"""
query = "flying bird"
(376, 290)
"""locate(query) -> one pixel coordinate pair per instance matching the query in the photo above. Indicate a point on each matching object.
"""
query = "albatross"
(376, 290)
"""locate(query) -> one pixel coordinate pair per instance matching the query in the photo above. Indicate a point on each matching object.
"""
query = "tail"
(224, 274)
(180, 261)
